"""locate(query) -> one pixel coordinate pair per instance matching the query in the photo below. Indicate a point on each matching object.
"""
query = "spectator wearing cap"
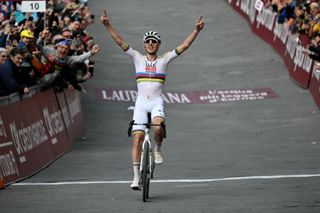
(75, 26)
(4, 54)
(25, 37)
(24, 75)
(9, 72)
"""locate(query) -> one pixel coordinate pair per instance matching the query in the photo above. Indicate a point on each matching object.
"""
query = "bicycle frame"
(147, 164)
(151, 158)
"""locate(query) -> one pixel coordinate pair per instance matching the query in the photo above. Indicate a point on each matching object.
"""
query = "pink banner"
(193, 97)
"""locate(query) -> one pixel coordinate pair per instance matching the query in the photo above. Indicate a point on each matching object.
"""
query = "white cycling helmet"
(152, 35)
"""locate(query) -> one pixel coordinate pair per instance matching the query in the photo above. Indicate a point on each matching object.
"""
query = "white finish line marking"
(172, 181)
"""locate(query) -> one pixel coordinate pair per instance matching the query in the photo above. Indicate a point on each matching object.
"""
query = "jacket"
(8, 78)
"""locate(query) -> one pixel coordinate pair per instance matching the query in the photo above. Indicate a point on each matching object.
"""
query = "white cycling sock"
(157, 148)
(136, 166)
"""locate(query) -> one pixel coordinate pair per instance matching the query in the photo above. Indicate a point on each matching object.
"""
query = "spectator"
(26, 36)
(4, 54)
(9, 72)
(314, 19)
(62, 60)
(75, 26)
(286, 11)
(300, 14)
(4, 35)
(65, 48)
(314, 49)
(66, 33)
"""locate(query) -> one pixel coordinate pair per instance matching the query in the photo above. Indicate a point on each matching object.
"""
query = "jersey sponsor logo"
(151, 67)
(193, 97)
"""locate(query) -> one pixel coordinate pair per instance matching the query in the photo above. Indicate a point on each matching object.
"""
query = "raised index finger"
(105, 12)
(200, 18)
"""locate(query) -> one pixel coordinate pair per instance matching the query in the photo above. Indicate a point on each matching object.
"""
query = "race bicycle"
(147, 164)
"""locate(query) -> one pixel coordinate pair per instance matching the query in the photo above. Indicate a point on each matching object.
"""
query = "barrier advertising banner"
(315, 85)
(289, 46)
(33, 133)
(75, 125)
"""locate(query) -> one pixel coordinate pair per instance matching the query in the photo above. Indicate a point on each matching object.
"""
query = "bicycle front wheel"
(144, 175)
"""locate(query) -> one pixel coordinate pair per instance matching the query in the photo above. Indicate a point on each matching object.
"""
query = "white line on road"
(171, 181)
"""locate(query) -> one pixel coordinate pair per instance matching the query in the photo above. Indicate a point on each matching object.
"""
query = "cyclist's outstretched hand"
(200, 24)
(105, 19)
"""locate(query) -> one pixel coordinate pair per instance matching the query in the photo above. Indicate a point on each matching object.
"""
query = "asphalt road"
(259, 155)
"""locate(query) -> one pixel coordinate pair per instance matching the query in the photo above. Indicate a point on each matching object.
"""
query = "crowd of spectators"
(51, 48)
(302, 18)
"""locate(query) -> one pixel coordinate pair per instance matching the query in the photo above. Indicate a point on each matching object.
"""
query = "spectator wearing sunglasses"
(150, 77)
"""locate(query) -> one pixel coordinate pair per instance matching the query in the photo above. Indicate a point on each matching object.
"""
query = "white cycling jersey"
(150, 76)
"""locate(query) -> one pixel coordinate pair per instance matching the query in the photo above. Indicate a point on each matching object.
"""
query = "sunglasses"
(4, 56)
(152, 41)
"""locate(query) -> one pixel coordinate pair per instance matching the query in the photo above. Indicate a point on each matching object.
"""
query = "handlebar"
(148, 125)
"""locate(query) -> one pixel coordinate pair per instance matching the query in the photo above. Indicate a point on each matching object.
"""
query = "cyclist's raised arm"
(114, 34)
(189, 40)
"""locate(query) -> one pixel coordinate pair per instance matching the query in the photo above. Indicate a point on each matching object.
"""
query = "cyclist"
(150, 76)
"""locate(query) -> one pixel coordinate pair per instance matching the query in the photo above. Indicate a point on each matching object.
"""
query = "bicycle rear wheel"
(145, 170)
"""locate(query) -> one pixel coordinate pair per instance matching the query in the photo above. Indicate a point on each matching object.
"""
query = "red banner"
(315, 86)
(33, 133)
(73, 104)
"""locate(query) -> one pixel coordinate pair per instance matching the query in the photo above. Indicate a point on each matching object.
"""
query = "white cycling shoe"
(135, 184)
(158, 157)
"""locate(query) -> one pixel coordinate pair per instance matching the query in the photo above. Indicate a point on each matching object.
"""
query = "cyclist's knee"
(158, 131)
(138, 137)
(158, 121)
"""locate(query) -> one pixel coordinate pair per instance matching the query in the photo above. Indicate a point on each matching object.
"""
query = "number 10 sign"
(33, 6)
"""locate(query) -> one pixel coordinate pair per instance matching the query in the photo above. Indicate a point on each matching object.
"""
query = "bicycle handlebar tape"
(164, 130)
(130, 128)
